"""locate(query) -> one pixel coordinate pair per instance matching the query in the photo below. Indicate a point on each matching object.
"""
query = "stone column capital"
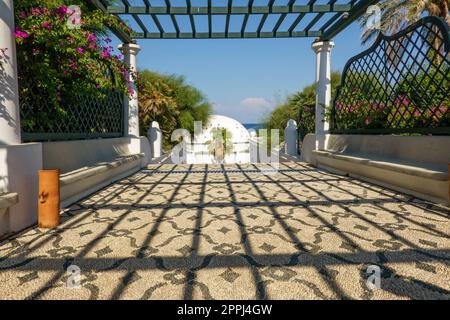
(320, 46)
(129, 48)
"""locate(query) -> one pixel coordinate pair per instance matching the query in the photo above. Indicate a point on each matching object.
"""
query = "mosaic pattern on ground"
(202, 232)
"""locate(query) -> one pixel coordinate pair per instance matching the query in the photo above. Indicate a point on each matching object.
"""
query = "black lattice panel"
(85, 116)
(400, 84)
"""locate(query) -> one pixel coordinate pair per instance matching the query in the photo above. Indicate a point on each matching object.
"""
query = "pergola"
(318, 19)
(322, 20)
(334, 17)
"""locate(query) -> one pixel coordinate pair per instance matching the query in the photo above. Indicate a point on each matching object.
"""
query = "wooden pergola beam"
(233, 10)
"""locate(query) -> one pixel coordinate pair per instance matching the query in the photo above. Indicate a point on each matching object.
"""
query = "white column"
(131, 125)
(323, 90)
(9, 91)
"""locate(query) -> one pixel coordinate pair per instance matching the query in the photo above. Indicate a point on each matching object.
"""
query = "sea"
(255, 126)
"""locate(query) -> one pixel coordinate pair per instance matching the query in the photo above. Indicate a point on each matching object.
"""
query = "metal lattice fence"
(399, 85)
(84, 116)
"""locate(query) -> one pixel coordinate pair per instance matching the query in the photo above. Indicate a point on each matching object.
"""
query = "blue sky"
(244, 78)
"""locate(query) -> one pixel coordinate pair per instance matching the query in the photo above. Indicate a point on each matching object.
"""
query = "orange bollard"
(48, 204)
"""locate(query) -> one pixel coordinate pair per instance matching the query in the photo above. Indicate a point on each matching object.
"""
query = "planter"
(49, 198)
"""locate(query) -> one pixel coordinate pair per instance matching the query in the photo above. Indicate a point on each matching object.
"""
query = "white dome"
(238, 131)
(240, 139)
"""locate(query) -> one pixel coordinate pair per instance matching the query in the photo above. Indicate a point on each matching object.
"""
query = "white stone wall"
(19, 167)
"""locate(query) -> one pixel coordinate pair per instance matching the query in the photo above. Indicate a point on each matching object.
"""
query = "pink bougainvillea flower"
(38, 11)
(62, 10)
(368, 121)
(20, 34)
(106, 53)
(47, 25)
(72, 64)
(440, 110)
(436, 110)
(91, 37)
(378, 106)
(80, 50)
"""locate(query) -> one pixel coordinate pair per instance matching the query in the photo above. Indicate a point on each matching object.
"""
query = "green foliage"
(402, 85)
(57, 61)
(170, 101)
(299, 106)
(396, 15)
(416, 102)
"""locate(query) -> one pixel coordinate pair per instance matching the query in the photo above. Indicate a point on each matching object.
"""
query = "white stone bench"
(89, 165)
(7, 200)
(416, 165)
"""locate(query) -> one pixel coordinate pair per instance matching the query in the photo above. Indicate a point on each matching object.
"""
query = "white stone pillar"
(9, 90)
(131, 125)
(291, 138)
(323, 90)
(155, 137)
(253, 146)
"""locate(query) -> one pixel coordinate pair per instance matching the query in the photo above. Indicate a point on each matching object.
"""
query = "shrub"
(56, 61)
(299, 106)
(170, 101)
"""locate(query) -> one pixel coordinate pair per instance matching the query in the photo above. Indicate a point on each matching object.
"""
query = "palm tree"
(170, 101)
(156, 103)
(396, 14)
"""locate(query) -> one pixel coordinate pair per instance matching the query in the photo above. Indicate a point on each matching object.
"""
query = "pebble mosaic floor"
(232, 232)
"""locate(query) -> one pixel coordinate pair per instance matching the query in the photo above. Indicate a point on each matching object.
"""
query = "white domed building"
(209, 146)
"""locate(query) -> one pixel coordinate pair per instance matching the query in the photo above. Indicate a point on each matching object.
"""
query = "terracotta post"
(48, 206)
